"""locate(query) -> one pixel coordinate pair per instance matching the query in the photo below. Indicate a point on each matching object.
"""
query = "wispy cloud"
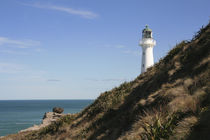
(22, 44)
(21, 73)
(13, 52)
(10, 68)
(53, 80)
(107, 80)
(123, 49)
(83, 13)
(120, 46)
(113, 79)
(19, 47)
(136, 53)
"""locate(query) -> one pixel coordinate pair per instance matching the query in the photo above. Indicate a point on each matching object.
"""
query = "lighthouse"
(147, 43)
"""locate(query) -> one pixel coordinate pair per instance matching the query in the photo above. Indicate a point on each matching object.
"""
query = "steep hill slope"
(169, 101)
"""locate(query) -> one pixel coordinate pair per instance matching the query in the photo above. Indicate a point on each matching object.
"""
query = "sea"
(16, 115)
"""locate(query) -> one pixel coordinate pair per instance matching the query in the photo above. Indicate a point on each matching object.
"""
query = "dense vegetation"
(169, 101)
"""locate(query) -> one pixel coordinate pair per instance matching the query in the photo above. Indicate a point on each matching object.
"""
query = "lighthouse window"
(147, 34)
(143, 65)
(143, 53)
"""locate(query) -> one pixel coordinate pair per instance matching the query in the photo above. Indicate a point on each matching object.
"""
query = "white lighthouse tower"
(147, 43)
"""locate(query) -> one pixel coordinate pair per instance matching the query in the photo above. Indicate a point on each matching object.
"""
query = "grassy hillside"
(169, 101)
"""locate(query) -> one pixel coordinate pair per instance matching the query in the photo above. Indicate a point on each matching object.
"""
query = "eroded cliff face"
(49, 117)
(169, 101)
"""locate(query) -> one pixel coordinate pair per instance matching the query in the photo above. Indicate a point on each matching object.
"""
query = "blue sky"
(77, 49)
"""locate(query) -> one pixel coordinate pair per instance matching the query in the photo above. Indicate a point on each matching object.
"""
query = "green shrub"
(161, 128)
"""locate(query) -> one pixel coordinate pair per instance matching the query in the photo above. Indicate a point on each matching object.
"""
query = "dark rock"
(45, 116)
(58, 110)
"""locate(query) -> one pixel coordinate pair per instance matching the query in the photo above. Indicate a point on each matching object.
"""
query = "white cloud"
(123, 49)
(22, 44)
(13, 52)
(136, 53)
(21, 73)
(10, 68)
(108, 80)
(82, 13)
(19, 47)
(120, 46)
(53, 80)
(113, 79)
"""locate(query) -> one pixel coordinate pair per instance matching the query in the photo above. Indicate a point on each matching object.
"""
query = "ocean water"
(16, 115)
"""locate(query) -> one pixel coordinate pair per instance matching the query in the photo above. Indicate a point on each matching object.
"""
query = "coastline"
(23, 114)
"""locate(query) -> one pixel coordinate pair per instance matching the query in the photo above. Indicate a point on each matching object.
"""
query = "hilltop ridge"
(169, 101)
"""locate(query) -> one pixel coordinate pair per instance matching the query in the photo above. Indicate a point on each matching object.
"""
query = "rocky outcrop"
(58, 110)
(48, 118)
